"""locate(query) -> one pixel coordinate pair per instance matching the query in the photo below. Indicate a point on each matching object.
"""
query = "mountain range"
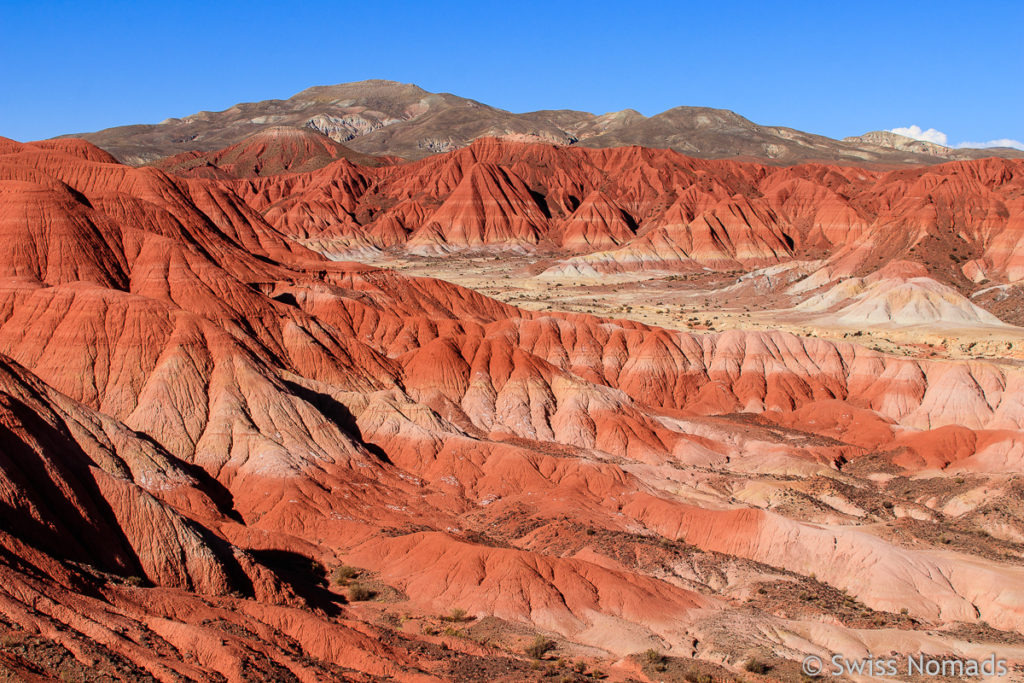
(385, 118)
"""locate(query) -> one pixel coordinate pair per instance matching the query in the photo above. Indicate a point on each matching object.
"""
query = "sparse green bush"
(457, 614)
(343, 574)
(359, 593)
(756, 666)
(539, 647)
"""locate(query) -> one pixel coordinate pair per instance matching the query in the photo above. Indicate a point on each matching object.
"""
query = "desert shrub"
(358, 593)
(457, 614)
(756, 666)
(539, 647)
(343, 574)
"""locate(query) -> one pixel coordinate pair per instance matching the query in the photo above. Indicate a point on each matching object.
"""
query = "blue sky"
(832, 68)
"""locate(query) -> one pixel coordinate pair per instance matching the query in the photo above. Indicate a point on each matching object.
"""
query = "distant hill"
(266, 152)
(385, 118)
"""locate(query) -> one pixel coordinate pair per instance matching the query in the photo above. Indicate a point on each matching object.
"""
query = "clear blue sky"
(832, 68)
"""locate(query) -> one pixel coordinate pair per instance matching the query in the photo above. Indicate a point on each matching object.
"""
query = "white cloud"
(930, 135)
(1004, 142)
(940, 138)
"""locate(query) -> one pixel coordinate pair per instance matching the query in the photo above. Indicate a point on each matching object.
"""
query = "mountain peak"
(890, 140)
(360, 89)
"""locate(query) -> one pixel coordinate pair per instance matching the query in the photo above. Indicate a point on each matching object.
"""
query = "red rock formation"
(268, 152)
(687, 212)
(598, 223)
(489, 206)
(221, 407)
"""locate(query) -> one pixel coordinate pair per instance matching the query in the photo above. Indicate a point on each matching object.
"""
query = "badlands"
(515, 411)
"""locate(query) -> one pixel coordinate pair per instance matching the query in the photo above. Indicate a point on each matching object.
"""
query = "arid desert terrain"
(548, 399)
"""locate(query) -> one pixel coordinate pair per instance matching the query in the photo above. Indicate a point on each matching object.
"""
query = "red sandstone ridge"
(633, 209)
(225, 456)
(597, 223)
(269, 152)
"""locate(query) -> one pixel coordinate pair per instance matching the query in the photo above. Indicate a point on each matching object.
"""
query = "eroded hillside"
(227, 456)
